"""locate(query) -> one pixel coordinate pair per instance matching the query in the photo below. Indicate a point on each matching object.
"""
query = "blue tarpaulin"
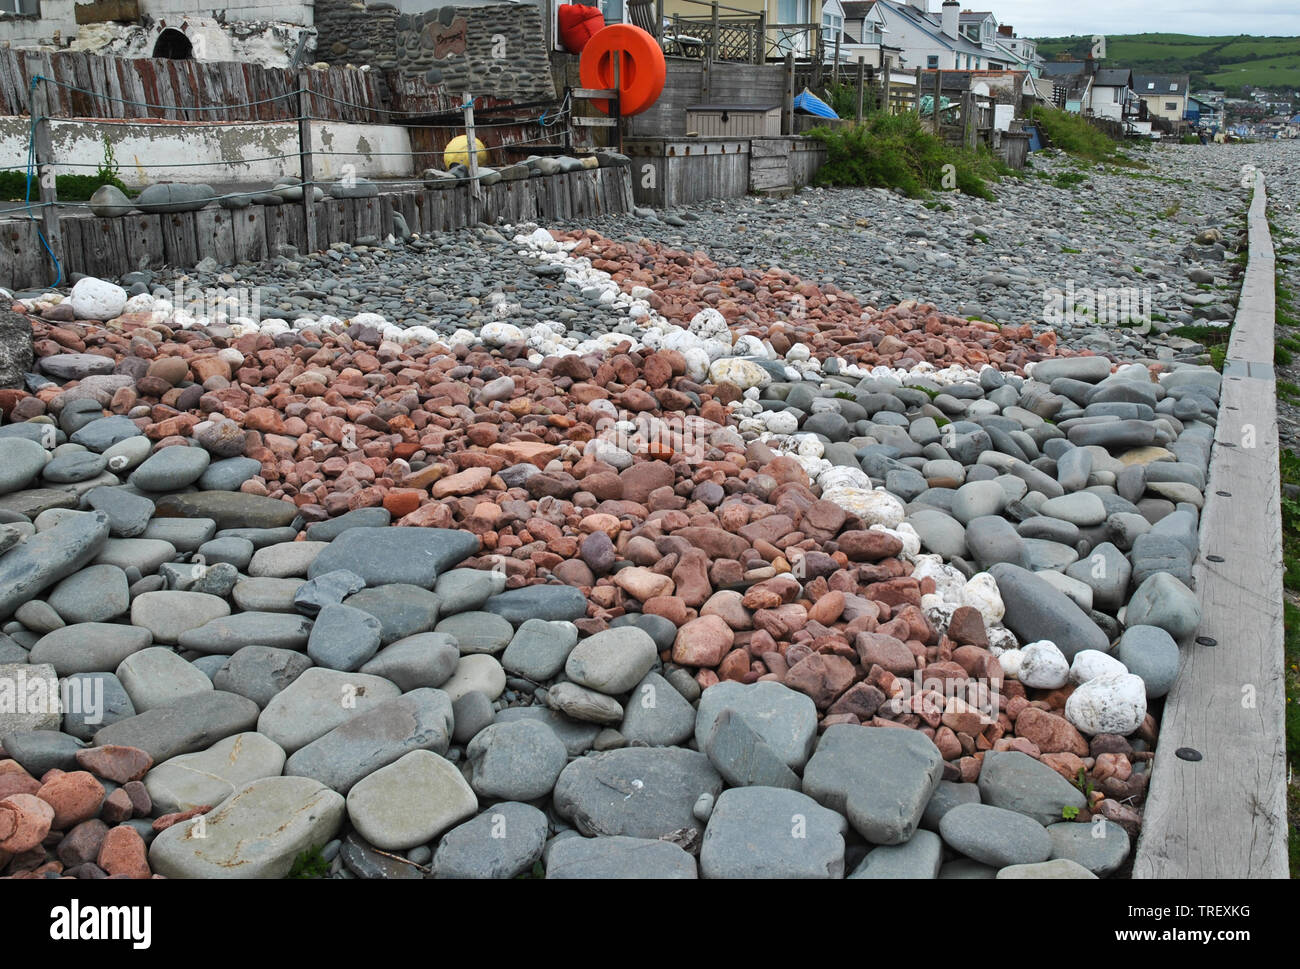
(808, 102)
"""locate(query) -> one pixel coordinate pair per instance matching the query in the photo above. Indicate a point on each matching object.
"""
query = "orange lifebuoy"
(642, 69)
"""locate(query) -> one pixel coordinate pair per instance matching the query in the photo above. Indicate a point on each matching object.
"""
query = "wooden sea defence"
(1216, 807)
(109, 248)
(670, 172)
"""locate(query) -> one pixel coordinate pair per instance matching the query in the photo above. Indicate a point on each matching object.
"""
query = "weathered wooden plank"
(249, 233)
(142, 237)
(180, 244)
(214, 235)
(103, 247)
(1224, 815)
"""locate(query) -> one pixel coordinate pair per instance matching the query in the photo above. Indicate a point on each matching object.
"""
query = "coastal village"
(638, 439)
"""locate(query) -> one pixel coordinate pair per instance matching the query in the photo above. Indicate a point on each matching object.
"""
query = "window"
(30, 7)
(1151, 85)
(1173, 87)
(1171, 105)
(932, 62)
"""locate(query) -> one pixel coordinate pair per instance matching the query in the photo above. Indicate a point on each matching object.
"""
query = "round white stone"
(97, 299)
(1043, 666)
(1091, 663)
(1110, 703)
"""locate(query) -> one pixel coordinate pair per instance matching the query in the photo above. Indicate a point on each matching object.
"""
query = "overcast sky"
(1054, 18)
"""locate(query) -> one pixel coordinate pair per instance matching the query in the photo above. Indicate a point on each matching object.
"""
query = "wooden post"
(862, 74)
(938, 96)
(835, 68)
(916, 94)
(659, 21)
(968, 118)
(304, 161)
(713, 37)
(886, 79)
(760, 49)
(787, 109)
(38, 105)
(471, 153)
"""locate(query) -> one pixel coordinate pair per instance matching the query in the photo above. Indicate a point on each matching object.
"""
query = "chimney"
(1091, 64)
(1006, 30)
(951, 18)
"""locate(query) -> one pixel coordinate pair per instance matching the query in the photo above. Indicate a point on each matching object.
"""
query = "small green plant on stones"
(310, 863)
(1069, 812)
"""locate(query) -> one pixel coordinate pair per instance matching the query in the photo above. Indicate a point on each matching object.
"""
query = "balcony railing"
(723, 33)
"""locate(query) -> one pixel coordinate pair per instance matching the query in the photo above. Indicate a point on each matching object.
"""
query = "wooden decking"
(1224, 815)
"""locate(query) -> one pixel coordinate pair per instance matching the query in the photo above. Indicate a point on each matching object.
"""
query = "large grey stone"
(539, 649)
(516, 761)
(403, 610)
(229, 509)
(477, 632)
(769, 832)
(612, 661)
(880, 779)
(94, 700)
(642, 792)
(171, 469)
(410, 802)
(1015, 781)
(1037, 610)
(260, 672)
(554, 602)
(1150, 652)
(419, 720)
(1100, 845)
(156, 677)
(742, 758)
(89, 647)
(618, 857)
(48, 556)
(785, 719)
(656, 715)
(995, 836)
(230, 634)
(343, 638)
(576, 736)
(384, 556)
(919, 858)
(1165, 602)
(502, 842)
(190, 724)
(96, 593)
(212, 775)
(168, 614)
(257, 832)
(425, 659)
(463, 590)
(317, 702)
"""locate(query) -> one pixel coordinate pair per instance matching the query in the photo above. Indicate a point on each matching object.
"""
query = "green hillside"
(1217, 62)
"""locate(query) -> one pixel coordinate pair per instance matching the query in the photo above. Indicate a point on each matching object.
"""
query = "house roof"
(1063, 68)
(974, 16)
(1153, 84)
(1114, 77)
(1075, 85)
(857, 9)
(931, 25)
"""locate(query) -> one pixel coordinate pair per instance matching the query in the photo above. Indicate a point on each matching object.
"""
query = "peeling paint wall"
(371, 151)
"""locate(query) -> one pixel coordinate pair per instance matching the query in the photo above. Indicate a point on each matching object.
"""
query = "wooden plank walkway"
(1224, 816)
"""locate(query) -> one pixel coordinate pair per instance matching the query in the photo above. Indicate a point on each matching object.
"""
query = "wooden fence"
(110, 247)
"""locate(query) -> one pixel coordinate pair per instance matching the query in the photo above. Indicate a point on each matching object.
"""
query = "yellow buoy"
(457, 152)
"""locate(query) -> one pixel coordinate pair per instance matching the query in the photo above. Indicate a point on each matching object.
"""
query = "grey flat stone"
(256, 833)
(229, 509)
(48, 556)
(229, 634)
(425, 659)
(656, 715)
(463, 590)
(410, 802)
(539, 649)
(38, 751)
(784, 718)
(515, 761)
(343, 638)
(618, 857)
(260, 672)
(612, 661)
(96, 593)
(995, 836)
(89, 647)
(768, 832)
(477, 632)
(1036, 610)
(95, 701)
(317, 702)
(947, 796)
(743, 759)
(156, 677)
(384, 556)
(504, 841)
(554, 602)
(1015, 781)
(402, 610)
(643, 792)
(212, 775)
(880, 779)
(576, 736)
(419, 720)
(919, 858)
(1100, 845)
(182, 727)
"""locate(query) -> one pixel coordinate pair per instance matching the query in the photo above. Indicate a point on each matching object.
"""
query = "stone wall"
(497, 49)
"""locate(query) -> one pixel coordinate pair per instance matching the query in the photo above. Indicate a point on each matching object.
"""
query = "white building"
(935, 40)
